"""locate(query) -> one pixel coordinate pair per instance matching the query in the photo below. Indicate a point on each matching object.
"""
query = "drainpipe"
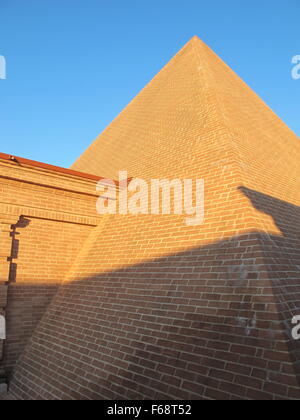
(6, 237)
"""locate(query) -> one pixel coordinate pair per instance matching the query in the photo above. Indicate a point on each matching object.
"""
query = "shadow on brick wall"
(26, 304)
(208, 323)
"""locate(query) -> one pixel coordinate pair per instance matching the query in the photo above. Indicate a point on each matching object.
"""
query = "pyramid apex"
(195, 40)
(192, 40)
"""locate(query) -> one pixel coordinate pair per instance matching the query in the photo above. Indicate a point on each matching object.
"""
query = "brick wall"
(45, 217)
(156, 309)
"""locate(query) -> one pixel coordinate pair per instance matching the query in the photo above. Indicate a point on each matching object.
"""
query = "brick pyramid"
(156, 309)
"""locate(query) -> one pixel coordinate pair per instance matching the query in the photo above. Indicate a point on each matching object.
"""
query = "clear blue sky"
(73, 65)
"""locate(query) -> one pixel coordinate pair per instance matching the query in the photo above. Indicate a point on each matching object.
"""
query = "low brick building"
(144, 306)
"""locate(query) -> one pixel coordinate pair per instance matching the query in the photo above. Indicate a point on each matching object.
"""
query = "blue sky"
(73, 65)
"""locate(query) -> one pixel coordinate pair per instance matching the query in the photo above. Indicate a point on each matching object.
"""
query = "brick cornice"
(8, 219)
(11, 214)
